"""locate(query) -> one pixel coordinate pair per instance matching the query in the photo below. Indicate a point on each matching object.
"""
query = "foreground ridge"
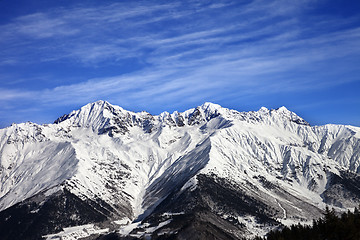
(208, 171)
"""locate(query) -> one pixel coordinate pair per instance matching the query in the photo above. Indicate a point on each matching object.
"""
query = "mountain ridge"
(132, 166)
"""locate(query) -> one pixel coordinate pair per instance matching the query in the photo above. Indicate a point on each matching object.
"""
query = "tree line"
(330, 227)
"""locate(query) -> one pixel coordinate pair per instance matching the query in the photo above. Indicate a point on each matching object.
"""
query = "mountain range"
(102, 172)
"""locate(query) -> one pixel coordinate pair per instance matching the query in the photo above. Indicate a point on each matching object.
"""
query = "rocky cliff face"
(208, 172)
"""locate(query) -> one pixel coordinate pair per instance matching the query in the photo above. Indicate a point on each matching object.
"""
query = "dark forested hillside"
(331, 227)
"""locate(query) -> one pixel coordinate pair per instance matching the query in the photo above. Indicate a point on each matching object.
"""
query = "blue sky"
(56, 56)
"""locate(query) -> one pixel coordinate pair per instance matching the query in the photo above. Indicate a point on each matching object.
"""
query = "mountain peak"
(210, 106)
(100, 106)
(98, 103)
(282, 109)
(287, 114)
(263, 110)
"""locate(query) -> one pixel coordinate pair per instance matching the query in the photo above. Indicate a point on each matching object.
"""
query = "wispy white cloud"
(9, 94)
(37, 26)
(42, 26)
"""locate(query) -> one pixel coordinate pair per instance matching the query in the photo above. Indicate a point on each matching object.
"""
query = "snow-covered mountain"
(208, 172)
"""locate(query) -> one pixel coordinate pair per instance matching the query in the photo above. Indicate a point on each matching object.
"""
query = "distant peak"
(282, 109)
(293, 117)
(100, 103)
(87, 112)
(263, 109)
(209, 106)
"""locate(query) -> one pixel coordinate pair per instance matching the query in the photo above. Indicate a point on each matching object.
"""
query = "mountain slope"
(244, 172)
